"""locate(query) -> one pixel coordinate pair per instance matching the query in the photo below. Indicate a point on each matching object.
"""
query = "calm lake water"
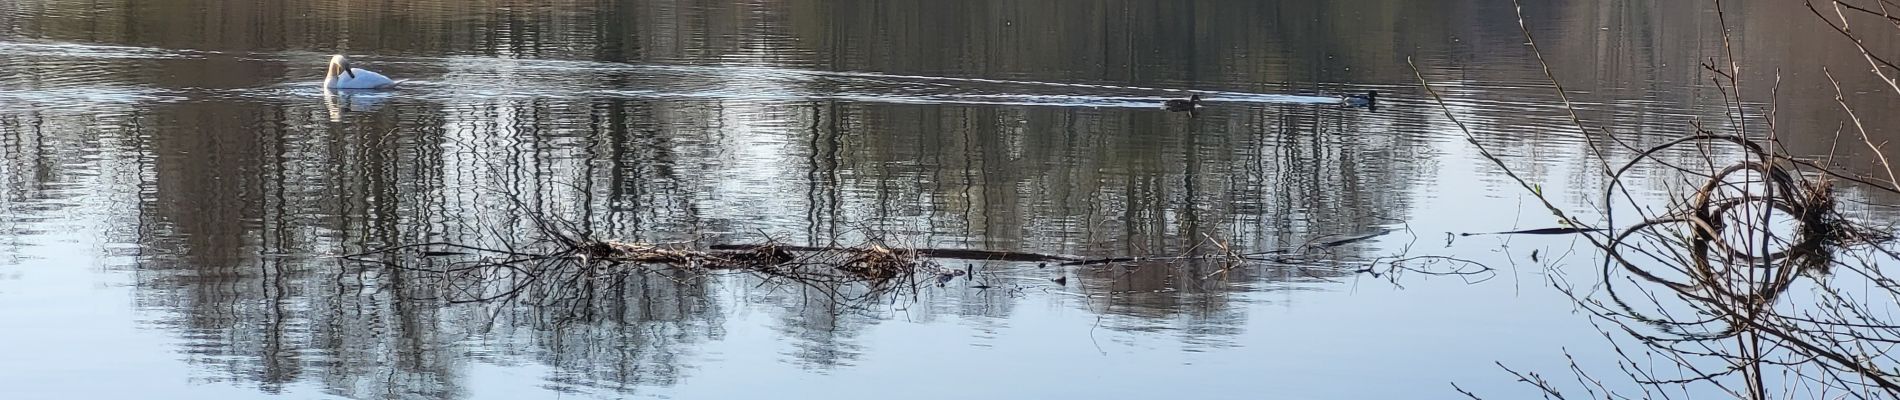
(175, 189)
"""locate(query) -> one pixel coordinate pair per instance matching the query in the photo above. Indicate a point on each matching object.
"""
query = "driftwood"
(966, 254)
(994, 255)
(1539, 231)
(960, 254)
(568, 264)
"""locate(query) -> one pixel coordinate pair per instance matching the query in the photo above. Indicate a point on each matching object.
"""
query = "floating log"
(960, 254)
(1539, 231)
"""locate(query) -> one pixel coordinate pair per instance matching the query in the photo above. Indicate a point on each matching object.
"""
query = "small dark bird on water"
(1179, 105)
(1368, 101)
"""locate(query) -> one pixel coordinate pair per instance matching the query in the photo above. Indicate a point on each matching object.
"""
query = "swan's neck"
(330, 77)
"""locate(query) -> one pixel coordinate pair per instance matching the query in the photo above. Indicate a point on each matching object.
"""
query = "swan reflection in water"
(340, 101)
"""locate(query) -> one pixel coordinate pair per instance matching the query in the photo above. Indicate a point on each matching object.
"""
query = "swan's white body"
(342, 76)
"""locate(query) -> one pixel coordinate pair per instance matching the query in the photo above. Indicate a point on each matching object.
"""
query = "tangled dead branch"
(1709, 284)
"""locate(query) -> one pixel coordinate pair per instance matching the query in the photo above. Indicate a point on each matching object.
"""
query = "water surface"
(174, 189)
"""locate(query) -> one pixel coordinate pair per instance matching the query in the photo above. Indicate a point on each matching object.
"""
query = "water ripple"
(461, 77)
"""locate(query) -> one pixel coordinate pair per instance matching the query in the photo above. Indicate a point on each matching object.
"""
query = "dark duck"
(1369, 101)
(1179, 105)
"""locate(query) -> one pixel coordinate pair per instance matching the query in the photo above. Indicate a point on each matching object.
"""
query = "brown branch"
(1841, 98)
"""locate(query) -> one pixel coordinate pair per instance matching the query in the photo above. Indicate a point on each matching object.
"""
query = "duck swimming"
(1178, 105)
(342, 76)
(1370, 100)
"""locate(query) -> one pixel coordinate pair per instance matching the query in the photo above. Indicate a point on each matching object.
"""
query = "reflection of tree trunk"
(975, 188)
(619, 181)
(282, 365)
(1190, 184)
(822, 188)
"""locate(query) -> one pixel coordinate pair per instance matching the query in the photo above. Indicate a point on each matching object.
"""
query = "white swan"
(342, 76)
